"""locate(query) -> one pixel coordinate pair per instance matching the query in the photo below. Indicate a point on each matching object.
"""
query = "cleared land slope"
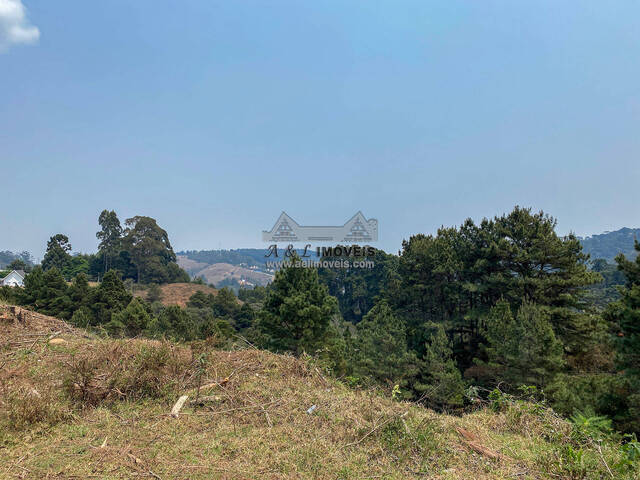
(73, 405)
(178, 293)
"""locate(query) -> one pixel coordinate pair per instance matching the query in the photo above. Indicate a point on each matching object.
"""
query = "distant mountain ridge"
(233, 268)
(249, 257)
(242, 267)
(609, 244)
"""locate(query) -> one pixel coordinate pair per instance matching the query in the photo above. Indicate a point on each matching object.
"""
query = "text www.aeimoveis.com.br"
(321, 264)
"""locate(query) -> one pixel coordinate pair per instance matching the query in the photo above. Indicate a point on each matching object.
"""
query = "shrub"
(588, 426)
(26, 406)
(528, 413)
(127, 371)
(82, 317)
(8, 294)
(131, 321)
(154, 293)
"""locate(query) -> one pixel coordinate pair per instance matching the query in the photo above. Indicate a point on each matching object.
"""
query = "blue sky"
(214, 116)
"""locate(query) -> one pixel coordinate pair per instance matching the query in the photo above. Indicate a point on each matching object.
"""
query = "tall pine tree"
(523, 350)
(297, 312)
(440, 384)
(379, 351)
(624, 317)
(111, 296)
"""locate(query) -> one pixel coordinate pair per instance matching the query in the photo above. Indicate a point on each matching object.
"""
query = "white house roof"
(16, 275)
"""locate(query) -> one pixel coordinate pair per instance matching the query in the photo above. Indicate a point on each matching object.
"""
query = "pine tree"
(81, 294)
(131, 321)
(523, 350)
(626, 314)
(440, 384)
(32, 289)
(174, 322)
(200, 300)
(110, 296)
(380, 348)
(154, 293)
(79, 291)
(46, 292)
(455, 277)
(245, 317)
(547, 270)
(357, 289)
(296, 314)
(624, 318)
(225, 303)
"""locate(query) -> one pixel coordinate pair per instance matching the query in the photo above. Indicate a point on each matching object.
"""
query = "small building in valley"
(14, 279)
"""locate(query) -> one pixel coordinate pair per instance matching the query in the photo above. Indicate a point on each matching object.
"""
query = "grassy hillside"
(73, 405)
(178, 293)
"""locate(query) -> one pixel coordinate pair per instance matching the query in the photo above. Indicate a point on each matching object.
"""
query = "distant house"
(14, 279)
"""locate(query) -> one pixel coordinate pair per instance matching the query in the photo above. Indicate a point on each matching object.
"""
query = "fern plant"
(587, 425)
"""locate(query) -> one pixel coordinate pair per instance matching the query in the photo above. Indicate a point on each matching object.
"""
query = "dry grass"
(127, 370)
(179, 293)
(106, 415)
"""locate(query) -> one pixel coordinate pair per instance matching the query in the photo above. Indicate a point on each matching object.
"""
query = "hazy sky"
(214, 116)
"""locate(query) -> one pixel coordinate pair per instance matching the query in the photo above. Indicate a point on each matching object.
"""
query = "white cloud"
(14, 26)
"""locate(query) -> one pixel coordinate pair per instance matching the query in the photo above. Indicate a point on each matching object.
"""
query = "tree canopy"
(298, 309)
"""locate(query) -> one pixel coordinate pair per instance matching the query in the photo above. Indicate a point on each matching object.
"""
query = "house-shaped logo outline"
(355, 230)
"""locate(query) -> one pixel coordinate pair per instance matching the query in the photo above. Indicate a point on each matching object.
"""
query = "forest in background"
(608, 245)
(502, 305)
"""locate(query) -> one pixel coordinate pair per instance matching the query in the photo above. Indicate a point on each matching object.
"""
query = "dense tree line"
(140, 251)
(623, 317)
(248, 256)
(504, 302)
(358, 289)
(111, 307)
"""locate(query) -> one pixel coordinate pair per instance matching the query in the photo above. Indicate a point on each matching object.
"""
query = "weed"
(121, 370)
(588, 426)
(25, 407)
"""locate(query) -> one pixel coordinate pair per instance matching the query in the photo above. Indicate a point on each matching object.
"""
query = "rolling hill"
(609, 244)
(225, 273)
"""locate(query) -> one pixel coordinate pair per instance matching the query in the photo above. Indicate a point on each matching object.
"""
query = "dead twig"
(603, 460)
(246, 341)
(205, 399)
